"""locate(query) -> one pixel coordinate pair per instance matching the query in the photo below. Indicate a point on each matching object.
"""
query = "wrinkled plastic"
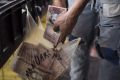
(30, 22)
(37, 62)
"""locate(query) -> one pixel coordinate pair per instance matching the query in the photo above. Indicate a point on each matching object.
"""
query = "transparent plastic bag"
(37, 62)
(36, 58)
(30, 22)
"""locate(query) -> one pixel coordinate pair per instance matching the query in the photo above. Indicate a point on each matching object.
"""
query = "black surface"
(8, 4)
(11, 28)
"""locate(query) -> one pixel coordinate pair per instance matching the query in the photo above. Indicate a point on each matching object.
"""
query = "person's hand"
(65, 23)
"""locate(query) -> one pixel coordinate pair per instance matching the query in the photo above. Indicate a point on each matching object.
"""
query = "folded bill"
(52, 14)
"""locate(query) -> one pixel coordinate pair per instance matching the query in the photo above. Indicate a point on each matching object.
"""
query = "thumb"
(56, 26)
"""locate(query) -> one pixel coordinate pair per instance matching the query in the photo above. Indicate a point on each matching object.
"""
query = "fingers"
(56, 29)
(59, 25)
(56, 26)
(60, 19)
(62, 38)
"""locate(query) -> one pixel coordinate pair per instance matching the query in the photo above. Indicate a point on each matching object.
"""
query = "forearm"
(74, 12)
(77, 8)
(60, 3)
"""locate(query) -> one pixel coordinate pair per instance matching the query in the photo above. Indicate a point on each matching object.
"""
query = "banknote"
(52, 13)
(37, 62)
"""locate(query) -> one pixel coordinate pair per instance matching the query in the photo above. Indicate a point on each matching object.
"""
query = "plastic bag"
(36, 62)
(30, 22)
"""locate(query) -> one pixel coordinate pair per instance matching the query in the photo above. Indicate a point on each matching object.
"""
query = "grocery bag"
(37, 62)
